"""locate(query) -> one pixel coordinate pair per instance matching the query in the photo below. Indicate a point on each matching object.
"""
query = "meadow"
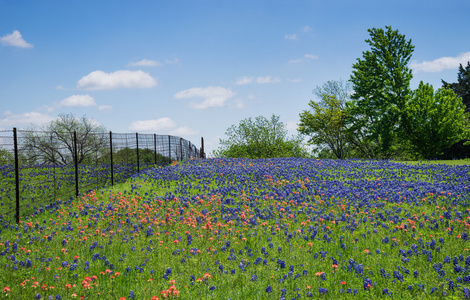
(41, 185)
(251, 229)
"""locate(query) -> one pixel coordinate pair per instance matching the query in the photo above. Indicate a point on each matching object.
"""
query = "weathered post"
(17, 176)
(137, 149)
(111, 156)
(202, 155)
(155, 146)
(76, 161)
(169, 149)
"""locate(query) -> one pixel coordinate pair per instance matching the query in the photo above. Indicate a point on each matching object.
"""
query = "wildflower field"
(251, 229)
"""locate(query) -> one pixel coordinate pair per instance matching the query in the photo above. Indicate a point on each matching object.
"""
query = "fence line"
(43, 169)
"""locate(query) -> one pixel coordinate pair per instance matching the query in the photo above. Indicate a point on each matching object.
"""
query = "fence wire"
(42, 169)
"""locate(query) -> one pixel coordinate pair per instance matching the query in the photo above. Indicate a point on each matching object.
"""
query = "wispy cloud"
(307, 29)
(105, 107)
(239, 103)
(244, 80)
(78, 101)
(99, 80)
(15, 39)
(162, 124)
(290, 36)
(183, 131)
(172, 61)
(305, 58)
(268, 79)
(214, 96)
(24, 120)
(310, 56)
(440, 64)
(144, 63)
(152, 63)
(295, 80)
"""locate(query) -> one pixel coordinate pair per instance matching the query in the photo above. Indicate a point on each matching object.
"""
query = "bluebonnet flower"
(269, 289)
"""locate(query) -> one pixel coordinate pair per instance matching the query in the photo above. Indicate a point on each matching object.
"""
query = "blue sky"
(194, 68)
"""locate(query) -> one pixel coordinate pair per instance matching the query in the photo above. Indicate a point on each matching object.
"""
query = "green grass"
(456, 162)
(187, 220)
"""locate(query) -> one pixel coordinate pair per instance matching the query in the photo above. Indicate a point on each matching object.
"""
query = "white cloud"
(267, 79)
(183, 131)
(162, 124)
(295, 61)
(290, 36)
(244, 80)
(78, 101)
(295, 80)
(60, 88)
(172, 61)
(24, 120)
(306, 58)
(99, 80)
(440, 64)
(310, 56)
(214, 96)
(306, 29)
(144, 63)
(239, 103)
(105, 107)
(15, 39)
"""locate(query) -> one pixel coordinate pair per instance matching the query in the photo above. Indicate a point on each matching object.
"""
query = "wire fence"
(42, 169)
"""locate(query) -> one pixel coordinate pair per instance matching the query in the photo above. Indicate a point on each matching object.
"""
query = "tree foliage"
(146, 156)
(462, 87)
(54, 143)
(324, 123)
(381, 81)
(260, 138)
(6, 157)
(436, 120)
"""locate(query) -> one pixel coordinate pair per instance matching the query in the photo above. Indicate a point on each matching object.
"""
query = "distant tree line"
(374, 115)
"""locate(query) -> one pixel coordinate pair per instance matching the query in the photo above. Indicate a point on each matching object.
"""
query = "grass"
(42, 185)
(251, 229)
(456, 162)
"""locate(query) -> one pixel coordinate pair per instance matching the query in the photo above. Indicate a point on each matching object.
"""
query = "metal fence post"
(17, 176)
(76, 161)
(137, 149)
(169, 149)
(201, 154)
(111, 152)
(181, 148)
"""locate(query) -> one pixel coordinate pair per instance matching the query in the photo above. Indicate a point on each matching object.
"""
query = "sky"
(194, 68)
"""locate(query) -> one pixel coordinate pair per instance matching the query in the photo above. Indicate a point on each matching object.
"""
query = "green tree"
(381, 81)
(54, 142)
(146, 156)
(436, 120)
(260, 138)
(462, 89)
(324, 123)
(6, 157)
